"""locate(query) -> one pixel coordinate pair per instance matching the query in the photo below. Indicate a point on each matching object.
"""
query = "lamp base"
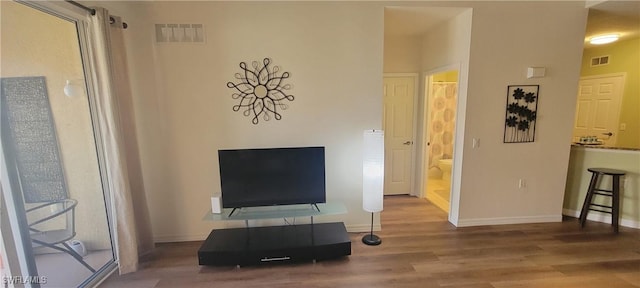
(371, 239)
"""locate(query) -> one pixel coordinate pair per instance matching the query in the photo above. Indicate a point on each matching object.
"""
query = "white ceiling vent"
(599, 61)
(179, 33)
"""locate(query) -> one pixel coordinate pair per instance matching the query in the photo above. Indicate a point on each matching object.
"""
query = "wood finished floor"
(421, 249)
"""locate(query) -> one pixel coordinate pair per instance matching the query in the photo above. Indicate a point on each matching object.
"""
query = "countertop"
(603, 147)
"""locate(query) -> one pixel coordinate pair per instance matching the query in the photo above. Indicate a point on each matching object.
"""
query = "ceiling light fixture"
(604, 39)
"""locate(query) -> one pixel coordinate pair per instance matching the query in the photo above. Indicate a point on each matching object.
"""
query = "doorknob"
(408, 143)
(608, 134)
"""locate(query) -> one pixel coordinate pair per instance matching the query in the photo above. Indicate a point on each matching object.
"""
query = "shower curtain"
(442, 121)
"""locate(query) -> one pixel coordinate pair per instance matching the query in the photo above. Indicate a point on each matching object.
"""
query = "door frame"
(416, 83)
(13, 236)
(421, 180)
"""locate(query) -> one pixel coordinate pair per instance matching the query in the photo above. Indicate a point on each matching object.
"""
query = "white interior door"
(598, 108)
(399, 94)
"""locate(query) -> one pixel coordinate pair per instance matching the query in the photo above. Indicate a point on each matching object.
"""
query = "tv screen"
(276, 176)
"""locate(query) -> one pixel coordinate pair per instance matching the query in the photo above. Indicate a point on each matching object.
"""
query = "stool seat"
(593, 190)
(607, 171)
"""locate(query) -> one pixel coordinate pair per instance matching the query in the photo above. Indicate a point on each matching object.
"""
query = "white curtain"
(114, 105)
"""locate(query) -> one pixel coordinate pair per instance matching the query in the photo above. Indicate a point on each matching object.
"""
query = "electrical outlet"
(522, 184)
(475, 143)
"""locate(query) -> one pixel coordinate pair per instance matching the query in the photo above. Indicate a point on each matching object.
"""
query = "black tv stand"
(255, 245)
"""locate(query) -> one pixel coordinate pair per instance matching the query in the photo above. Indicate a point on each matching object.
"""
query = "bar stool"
(614, 193)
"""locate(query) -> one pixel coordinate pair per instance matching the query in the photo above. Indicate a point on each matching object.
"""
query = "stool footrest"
(603, 190)
(603, 194)
(608, 212)
(603, 206)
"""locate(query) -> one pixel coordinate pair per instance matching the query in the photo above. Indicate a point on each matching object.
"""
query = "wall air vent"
(179, 33)
(598, 61)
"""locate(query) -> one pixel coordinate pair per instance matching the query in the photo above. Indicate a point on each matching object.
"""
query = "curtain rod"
(93, 12)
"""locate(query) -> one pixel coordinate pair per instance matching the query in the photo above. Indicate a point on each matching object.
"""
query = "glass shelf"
(274, 212)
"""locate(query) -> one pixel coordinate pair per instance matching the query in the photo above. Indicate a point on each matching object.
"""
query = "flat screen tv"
(274, 176)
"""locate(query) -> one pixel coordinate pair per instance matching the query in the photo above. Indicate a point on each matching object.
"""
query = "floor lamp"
(372, 178)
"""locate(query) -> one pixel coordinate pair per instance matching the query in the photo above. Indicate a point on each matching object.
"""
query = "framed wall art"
(521, 114)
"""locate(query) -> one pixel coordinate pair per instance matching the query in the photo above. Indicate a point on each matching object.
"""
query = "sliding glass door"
(55, 203)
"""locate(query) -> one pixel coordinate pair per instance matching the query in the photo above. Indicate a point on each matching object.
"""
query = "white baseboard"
(602, 218)
(179, 238)
(358, 228)
(508, 220)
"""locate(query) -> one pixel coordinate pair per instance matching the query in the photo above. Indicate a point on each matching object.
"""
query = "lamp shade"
(373, 170)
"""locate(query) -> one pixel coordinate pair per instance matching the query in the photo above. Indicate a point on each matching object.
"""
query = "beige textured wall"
(446, 46)
(506, 38)
(186, 114)
(402, 54)
(334, 51)
(38, 44)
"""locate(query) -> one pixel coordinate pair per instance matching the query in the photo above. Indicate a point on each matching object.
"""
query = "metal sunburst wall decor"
(261, 91)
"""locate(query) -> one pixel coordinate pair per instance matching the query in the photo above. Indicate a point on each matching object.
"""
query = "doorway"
(53, 185)
(441, 94)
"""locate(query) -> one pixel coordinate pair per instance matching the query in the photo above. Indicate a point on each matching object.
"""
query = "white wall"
(334, 55)
(505, 41)
(446, 46)
(334, 52)
(447, 43)
(402, 54)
